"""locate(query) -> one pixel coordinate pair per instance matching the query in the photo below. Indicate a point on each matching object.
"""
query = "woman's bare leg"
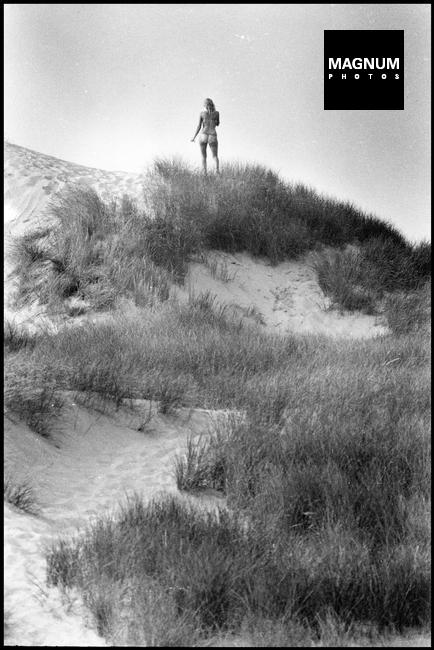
(203, 152)
(214, 151)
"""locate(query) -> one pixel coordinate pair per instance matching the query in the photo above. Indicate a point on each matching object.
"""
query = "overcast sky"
(113, 86)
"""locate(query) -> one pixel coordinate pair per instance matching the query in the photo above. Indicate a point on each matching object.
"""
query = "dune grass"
(213, 571)
(180, 354)
(249, 208)
(325, 470)
(338, 435)
(94, 251)
(358, 278)
(20, 494)
(409, 311)
(31, 392)
(16, 337)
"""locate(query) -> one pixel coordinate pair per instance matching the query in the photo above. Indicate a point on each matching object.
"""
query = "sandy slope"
(285, 297)
(101, 457)
(32, 178)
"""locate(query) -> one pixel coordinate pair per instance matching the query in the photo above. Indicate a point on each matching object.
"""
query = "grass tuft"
(20, 494)
(409, 311)
(31, 393)
(16, 337)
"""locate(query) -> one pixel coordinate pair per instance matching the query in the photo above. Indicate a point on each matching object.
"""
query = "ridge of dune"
(285, 297)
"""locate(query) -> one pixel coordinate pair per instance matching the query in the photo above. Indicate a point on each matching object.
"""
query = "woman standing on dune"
(208, 120)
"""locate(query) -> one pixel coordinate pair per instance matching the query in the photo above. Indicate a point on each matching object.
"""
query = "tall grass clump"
(195, 589)
(31, 393)
(93, 250)
(176, 203)
(214, 570)
(342, 277)
(17, 336)
(360, 277)
(409, 311)
(360, 422)
(199, 468)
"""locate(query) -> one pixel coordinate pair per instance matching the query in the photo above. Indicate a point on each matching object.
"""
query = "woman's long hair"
(209, 105)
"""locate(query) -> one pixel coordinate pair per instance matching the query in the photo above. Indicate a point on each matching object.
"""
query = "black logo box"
(364, 93)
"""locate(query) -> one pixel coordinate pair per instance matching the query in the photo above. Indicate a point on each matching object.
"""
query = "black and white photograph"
(217, 325)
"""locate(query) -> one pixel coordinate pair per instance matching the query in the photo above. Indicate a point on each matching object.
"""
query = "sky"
(116, 85)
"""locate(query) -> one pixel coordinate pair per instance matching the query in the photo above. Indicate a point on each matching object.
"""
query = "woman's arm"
(217, 119)
(198, 127)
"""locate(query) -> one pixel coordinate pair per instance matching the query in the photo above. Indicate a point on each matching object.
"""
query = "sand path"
(100, 459)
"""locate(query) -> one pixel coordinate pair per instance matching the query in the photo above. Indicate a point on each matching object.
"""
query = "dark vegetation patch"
(212, 570)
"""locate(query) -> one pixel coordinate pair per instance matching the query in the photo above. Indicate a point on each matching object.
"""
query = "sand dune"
(100, 458)
(285, 298)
